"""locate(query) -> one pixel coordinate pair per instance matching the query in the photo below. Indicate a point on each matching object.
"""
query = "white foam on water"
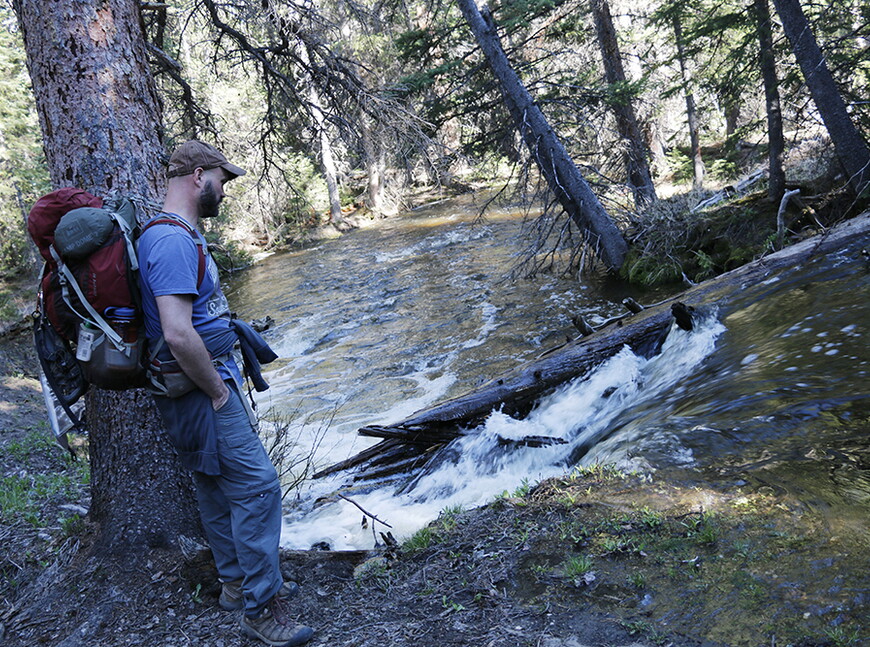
(434, 243)
(297, 338)
(481, 465)
(490, 317)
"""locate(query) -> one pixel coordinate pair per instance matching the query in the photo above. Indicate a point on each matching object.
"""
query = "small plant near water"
(524, 531)
(637, 580)
(598, 471)
(574, 531)
(577, 566)
(23, 449)
(8, 311)
(539, 569)
(450, 605)
(742, 549)
(376, 572)
(616, 545)
(651, 518)
(448, 519)
(636, 627)
(522, 489)
(641, 627)
(420, 540)
(703, 527)
(72, 526)
(283, 436)
(24, 496)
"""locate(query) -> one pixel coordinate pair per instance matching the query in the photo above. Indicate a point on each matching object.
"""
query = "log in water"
(412, 442)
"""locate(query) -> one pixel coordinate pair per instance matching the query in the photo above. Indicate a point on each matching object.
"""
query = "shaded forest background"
(341, 105)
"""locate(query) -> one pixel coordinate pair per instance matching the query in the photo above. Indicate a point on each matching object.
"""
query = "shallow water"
(772, 392)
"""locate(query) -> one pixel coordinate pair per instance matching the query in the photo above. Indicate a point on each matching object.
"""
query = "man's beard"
(208, 201)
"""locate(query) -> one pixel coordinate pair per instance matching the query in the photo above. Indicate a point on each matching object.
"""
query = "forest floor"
(596, 558)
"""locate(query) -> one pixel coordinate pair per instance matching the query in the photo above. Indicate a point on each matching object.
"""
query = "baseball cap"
(195, 154)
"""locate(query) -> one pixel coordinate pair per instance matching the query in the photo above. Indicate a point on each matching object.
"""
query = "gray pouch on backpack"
(81, 232)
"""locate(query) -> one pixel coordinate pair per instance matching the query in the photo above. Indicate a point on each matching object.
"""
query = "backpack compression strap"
(68, 280)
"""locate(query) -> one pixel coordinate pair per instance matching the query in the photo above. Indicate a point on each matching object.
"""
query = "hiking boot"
(232, 598)
(275, 627)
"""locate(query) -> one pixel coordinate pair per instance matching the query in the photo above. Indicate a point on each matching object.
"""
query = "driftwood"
(411, 443)
(730, 191)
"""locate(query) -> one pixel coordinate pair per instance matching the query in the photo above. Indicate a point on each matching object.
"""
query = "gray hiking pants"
(241, 508)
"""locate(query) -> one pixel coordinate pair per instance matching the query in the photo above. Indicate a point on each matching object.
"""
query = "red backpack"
(88, 325)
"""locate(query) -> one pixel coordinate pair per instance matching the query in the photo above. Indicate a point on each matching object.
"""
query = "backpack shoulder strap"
(172, 219)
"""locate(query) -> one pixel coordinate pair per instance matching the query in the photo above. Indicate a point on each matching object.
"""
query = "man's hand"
(217, 403)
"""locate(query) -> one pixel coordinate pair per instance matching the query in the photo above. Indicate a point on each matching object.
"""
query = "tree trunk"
(100, 118)
(731, 109)
(639, 177)
(850, 147)
(327, 161)
(691, 111)
(653, 138)
(562, 175)
(775, 140)
(375, 165)
(290, 30)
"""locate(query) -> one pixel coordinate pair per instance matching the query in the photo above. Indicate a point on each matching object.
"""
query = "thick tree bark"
(691, 110)
(851, 149)
(415, 440)
(639, 177)
(562, 175)
(776, 142)
(100, 118)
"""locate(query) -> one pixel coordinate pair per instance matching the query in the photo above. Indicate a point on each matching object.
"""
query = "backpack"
(88, 325)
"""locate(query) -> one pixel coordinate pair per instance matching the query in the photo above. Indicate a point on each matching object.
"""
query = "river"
(389, 319)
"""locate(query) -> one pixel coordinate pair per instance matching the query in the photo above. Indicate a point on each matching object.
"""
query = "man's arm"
(187, 347)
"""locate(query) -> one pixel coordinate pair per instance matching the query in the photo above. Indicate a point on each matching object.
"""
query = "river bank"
(597, 557)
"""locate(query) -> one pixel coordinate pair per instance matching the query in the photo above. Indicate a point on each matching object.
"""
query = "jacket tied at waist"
(255, 353)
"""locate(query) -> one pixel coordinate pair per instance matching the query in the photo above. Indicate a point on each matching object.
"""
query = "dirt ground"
(598, 558)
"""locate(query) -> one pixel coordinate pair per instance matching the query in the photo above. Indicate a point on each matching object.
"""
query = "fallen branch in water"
(364, 511)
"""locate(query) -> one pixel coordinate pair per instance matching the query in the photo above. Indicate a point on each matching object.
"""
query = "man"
(187, 320)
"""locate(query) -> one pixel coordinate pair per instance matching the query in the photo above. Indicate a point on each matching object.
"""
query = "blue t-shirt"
(169, 264)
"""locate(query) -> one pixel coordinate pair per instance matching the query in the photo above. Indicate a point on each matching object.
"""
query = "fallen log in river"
(411, 443)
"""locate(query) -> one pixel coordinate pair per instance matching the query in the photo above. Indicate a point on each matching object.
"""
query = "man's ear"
(197, 176)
